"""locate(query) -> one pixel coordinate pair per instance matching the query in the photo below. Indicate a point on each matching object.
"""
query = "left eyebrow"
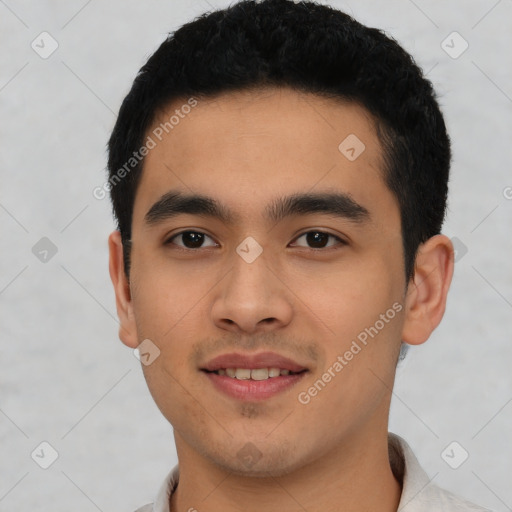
(337, 204)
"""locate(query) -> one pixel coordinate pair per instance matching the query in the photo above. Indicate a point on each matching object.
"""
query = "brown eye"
(319, 239)
(190, 239)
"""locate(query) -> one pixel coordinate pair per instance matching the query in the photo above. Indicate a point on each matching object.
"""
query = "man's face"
(329, 281)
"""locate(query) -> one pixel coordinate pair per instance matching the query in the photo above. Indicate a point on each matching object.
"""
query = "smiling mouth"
(254, 373)
(253, 377)
(253, 384)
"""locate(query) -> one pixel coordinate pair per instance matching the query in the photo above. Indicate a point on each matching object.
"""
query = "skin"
(244, 149)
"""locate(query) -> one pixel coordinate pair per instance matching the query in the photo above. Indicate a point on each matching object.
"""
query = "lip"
(253, 390)
(262, 360)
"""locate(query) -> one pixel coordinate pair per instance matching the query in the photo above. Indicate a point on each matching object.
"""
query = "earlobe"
(124, 305)
(428, 289)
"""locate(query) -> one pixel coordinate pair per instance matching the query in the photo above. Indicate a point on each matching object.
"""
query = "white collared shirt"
(419, 494)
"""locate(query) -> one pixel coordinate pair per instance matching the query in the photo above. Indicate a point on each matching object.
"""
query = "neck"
(356, 476)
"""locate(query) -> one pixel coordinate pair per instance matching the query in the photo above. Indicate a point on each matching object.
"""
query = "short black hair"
(311, 48)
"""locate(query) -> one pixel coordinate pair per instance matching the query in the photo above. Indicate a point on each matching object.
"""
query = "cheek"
(161, 316)
(364, 313)
(172, 395)
(354, 300)
(167, 295)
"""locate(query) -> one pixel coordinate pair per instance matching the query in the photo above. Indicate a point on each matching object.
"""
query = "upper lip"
(262, 360)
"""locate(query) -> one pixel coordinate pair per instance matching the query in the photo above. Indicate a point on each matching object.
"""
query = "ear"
(124, 305)
(426, 294)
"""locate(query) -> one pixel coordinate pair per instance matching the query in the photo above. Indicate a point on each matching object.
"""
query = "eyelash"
(341, 242)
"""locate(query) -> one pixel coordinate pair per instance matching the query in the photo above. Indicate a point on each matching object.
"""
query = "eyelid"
(341, 241)
(168, 239)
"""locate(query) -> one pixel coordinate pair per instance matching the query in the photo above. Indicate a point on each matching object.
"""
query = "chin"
(249, 461)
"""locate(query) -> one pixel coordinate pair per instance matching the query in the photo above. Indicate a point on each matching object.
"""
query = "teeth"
(274, 372)
(259, 374)
(254, 374)
(243, 373)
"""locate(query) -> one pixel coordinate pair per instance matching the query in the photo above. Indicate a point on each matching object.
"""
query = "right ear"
(124, 305)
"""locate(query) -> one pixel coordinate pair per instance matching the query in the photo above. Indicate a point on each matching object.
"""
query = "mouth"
(253, 378)
(254, 373)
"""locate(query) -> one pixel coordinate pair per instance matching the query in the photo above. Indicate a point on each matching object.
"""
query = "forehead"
(244, 147)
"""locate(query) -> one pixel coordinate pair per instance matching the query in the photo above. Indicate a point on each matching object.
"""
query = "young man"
(279, 176)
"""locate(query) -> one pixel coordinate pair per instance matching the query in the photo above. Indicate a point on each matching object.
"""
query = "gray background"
(66, 379)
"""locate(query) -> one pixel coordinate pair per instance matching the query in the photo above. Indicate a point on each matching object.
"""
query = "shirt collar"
(404, 464)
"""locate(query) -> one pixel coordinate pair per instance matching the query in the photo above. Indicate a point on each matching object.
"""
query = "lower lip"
(253, 389)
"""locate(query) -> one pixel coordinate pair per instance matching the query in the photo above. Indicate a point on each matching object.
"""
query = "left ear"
(426, 294)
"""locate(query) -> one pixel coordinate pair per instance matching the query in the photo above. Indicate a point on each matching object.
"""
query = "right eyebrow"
(175, 203)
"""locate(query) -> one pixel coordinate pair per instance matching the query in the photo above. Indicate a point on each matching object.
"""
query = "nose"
(252, 299)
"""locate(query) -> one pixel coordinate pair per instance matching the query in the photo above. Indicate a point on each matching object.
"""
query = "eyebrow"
(336, 204)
